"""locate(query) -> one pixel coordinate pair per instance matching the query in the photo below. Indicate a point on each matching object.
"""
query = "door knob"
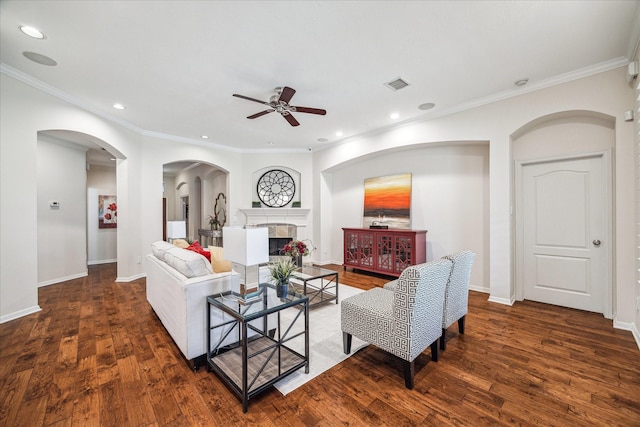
(596, 242)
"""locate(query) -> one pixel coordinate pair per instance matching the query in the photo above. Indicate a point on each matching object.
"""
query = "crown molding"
(500, 96)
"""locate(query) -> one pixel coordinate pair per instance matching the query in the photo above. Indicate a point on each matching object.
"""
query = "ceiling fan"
(280, 104)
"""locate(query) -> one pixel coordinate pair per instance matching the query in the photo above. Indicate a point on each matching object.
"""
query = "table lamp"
(176, 230)
(246, 248)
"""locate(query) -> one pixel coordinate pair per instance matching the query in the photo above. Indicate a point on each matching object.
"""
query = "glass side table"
(262, 354)
(319, 284)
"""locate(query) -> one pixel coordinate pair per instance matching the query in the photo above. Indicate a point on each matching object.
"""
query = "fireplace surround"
(284, 224)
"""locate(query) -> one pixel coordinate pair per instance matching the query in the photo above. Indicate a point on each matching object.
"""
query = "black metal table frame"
(325, 284)
(277, 342)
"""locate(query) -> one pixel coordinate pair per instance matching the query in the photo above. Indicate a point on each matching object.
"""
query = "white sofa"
(178, 283)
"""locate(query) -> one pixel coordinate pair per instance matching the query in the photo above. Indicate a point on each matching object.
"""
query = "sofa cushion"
(189, 263)
(159, 248)
(219, 264)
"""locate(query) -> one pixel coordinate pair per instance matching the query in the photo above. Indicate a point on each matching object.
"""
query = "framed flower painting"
(107, 212)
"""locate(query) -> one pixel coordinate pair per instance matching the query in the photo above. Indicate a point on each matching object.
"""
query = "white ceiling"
(176, 64)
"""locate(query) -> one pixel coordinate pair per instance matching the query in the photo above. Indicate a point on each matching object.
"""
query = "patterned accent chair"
(403, 322)
(456, 297)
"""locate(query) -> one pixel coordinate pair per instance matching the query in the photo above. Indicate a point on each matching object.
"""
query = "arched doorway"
(563, 218)
(73, 170)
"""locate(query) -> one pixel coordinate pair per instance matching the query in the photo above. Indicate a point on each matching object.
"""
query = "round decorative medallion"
(276, 188)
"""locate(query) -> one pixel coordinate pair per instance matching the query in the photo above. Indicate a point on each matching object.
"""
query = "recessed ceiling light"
(394, 116)
(31, 32)
(40, 59)
(521, 82)
(339, 134)
(270, 142)
(205, 137)
(118, 106)
(427, 106)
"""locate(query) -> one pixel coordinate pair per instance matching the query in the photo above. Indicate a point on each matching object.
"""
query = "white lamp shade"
(176, 229)
(246, 246)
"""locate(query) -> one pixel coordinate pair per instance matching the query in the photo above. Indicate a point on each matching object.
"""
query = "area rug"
(325, 341)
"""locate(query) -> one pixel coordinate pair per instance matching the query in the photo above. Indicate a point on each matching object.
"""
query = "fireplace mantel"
(284, 215)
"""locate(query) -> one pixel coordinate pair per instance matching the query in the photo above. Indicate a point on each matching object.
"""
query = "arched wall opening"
(191, 189)
(74, 171)
(449, 198)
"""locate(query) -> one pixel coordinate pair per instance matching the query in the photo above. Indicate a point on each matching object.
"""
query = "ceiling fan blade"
(287, 94)
(292, 120)
(250, 99)
(310, 110)
(261, 113)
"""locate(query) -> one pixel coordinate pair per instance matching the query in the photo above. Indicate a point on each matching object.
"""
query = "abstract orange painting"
(387, 201)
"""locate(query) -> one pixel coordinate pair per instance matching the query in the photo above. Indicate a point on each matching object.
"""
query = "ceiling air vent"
(397, 84)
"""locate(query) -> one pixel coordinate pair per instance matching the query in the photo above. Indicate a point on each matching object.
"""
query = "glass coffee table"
(319, 284)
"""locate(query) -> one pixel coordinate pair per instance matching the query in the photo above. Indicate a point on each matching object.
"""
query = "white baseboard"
(131, 278)
(20, 313)
(504, 301)
(479, 289)
(62, 279)
(629, 327)
(102, 261)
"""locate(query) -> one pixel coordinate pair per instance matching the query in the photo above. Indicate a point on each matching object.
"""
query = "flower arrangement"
(295, 248)
(281, 270)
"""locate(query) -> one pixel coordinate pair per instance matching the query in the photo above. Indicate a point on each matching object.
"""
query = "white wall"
(101, 242)
(61, 242)
(605, 93)
(636, 109)
(25, 112)
(449, 198)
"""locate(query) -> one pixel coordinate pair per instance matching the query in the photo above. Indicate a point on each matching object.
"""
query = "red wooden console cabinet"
(383, 251)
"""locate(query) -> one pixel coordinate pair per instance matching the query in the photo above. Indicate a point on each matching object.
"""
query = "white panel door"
(564, 233)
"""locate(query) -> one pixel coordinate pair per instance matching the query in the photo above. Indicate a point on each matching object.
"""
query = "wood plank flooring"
(96, 355)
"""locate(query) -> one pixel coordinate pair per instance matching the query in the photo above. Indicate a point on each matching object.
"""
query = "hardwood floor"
(97, 355)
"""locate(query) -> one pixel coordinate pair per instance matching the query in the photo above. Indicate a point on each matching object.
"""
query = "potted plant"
(213, 222)
(281, 271)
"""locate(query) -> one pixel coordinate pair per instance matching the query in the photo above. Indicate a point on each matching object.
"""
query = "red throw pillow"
(195, 246)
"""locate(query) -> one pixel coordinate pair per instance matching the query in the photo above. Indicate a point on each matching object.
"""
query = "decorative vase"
(282, 289)
(297, 260)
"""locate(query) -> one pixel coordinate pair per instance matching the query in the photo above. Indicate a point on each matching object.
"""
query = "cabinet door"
(351, 245)
(385, 253)
(366, 249)
(404, 252)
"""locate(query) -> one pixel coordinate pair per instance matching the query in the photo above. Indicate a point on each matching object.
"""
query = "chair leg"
(461, 324)
(443, 342)
(409, 373)
(434, 351)
(346, 342)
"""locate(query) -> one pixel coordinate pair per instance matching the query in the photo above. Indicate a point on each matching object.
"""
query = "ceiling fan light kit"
(280, 104)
